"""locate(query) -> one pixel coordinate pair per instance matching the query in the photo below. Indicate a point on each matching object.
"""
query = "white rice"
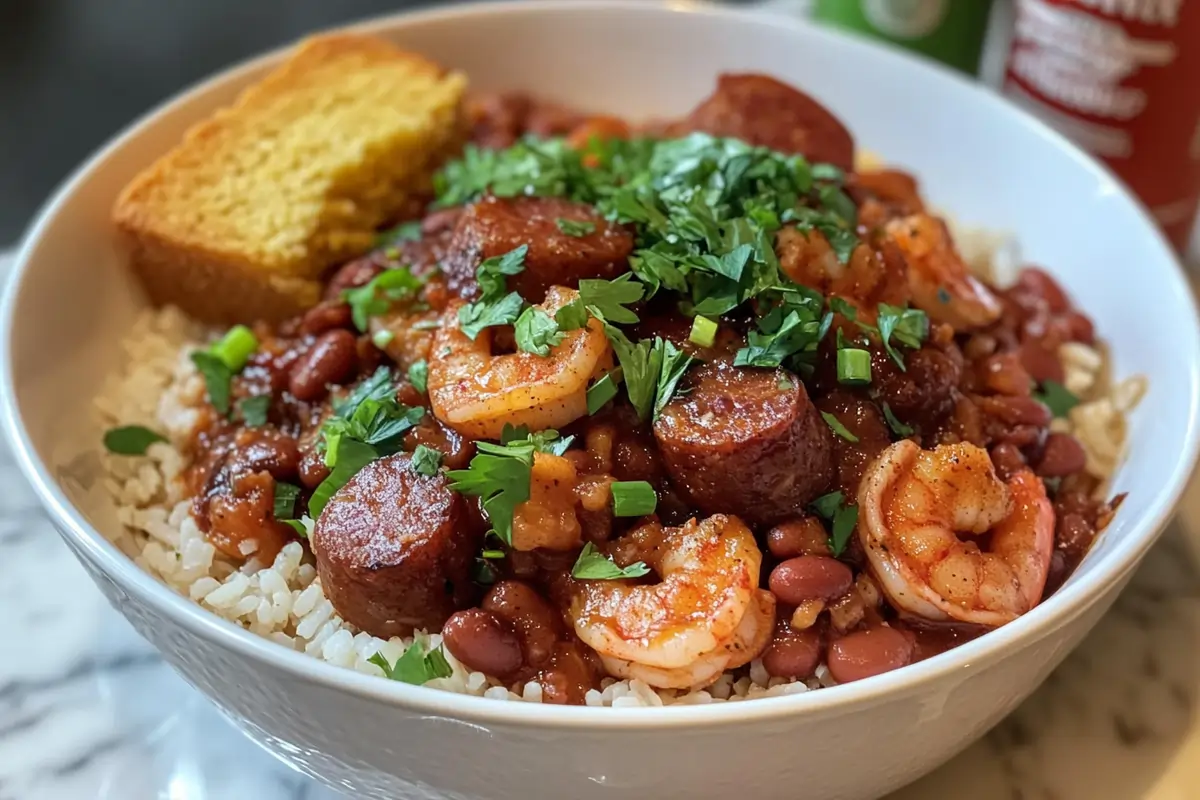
(284, 602)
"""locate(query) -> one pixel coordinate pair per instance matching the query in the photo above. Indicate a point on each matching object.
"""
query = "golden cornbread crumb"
(239, 220)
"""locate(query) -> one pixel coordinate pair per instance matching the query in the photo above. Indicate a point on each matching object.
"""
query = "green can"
(950, 31)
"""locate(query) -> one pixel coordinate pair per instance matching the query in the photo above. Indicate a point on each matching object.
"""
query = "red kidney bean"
(869, 652)
(1076, 327)
(276, 454)
(1007, 459)
(798, 537)
(1063, 455)
(325, 316)
(810, 578)
(482, 642)
(313, 469)
(355, 273)
(980, 345)
(793, 654)
(1004, 374)
(535, 620)
(1074, 534)
(1041, 362)
(1023, 436)
(1016, 410)
(332, 358)
(1040, 284)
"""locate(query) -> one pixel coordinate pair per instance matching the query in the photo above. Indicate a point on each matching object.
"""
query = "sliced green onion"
(853, 366)
(838, 428)
(633, 498)
(600, 393)
(235, 347)
(492, 554)
(704, 332)
(382, 338)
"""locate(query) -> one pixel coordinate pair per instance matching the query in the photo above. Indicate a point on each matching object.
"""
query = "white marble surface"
(88, 712)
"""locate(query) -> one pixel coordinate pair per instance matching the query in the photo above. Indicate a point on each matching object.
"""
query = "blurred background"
(74, 72)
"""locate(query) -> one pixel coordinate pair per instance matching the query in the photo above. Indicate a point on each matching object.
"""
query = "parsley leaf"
(898, 427)
(500, 475)
(546, 441)
(350, 456)
(843, 518)
(536, 332)
(607, 299)
(380, 293)
(572, 227)
(572, 316)
(838, 428)
(404, 232)
(218, 378)
(415, 666)
(426, 461)
(909, 326)
(827, 505)
(418, 375)
(377, 387)
(285, 500)
(593, 565)
(603, 390)
(254, 410)
(1056, 397)
(675, 363)
(494, 307)
(641, 366)
(131, 440)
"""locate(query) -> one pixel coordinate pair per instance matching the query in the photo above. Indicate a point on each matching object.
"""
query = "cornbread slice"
(238, 222)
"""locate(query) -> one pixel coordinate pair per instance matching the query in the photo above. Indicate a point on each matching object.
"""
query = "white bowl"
(71, 299)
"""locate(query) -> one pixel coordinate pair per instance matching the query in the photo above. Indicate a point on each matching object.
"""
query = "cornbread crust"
(239, 221)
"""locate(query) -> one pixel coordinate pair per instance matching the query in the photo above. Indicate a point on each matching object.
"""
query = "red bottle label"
(1122, 79)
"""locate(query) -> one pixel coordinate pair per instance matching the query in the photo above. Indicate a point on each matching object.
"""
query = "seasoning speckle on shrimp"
(629, 413)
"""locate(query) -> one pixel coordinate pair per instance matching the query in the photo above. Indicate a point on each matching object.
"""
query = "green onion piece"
(838, 428)
(898, 427)
(235, 347)
(853, 366)
(600, 392)
(382, 338)
(131, 440)
(704, 332)
(633, 498)
(492, 554)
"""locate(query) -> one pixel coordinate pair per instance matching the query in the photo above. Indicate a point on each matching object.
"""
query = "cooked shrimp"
(747, 642)
(868, 278)
(547, 519)
(477, 393)
(709, 578)
(409, 334)
(940, 281)
(915, 503)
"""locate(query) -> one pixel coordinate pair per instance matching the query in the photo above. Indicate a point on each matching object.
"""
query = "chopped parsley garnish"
(380, 294)
(607, 300)
(382, 338)
(404, 232)
(675, 363)
(496, 306)
(426, 461)
(789, 333)
(536, 332)
(131, 440)
(547, 441)
(600, 392)
(285, 500)
(499, 474)
(842, 517)
(218, 378)
(898, 427)
(303, 526)
(1056, 397)
(633, 498)
(909, 326)
(572, 227)
(377, 387)
(415, 666)
(838, 428)
(418, 376)
(254, 410)
(348, 456)
(594, 565)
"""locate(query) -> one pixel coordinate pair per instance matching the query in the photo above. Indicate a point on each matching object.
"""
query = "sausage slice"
(494, 226)
(763, 111)
(394, 549)
(747, 442)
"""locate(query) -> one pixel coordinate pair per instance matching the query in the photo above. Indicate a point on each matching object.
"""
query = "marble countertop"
(89, 712)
